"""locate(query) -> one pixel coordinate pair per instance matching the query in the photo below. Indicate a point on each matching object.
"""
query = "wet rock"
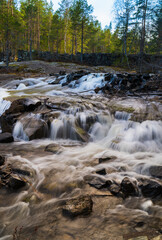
(34, 128)
(2, 160)
(6, 137)
(10, 177)
(21, 172)
(96, 181)
(150, 188)
(56, 81)
(78, 206)
(158, 238)
(106, 159)
(15, 182)
(101, 171)
(54, 148)
(62, 73)
(129, 188)
(22, 105)
(75, 76)
(139, 238)
(156, 171)
(82, 135)
(114, 188)
(17, 107)
(108, 76)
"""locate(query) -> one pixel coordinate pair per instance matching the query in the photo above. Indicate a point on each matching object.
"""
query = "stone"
(2, 160)
(54, 148)
(80, 206)
(129, 188)
(81, 134)
(34, 128)
(16, 182)
(6, 137)
(22, 105)
(156, 171)
(106, 159)
(56, 81)
(17, 108)
(114, 188)
(96, 181)
(21, 172)
(101, 171)
(139, 238)
(157, 238)
(62, 73)
(150, 188)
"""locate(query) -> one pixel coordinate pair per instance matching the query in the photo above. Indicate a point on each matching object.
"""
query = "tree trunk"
(82, 41)
(38, 29)
(143, 33)
(7, 37)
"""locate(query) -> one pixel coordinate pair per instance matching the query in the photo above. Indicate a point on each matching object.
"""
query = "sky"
(102, 10)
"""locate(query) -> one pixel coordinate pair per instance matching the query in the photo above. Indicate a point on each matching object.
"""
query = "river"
(88, 140)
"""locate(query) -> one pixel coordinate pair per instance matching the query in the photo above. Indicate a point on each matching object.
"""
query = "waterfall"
(4, 105)
(18, 132)
(133, 137)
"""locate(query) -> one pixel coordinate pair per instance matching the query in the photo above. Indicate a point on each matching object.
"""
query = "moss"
(115, 108)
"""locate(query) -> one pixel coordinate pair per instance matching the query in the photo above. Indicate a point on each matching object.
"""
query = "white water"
(135, 146)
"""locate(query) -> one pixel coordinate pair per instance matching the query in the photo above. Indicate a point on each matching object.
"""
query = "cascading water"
(18, 132)
(60, 167)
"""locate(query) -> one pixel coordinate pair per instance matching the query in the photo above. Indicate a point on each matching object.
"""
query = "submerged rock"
(54, 148)
(95, 181)
(78, 206)
(6, 137)
(156, 171)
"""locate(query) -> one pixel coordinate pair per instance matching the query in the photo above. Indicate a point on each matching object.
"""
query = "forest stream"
(76, 163)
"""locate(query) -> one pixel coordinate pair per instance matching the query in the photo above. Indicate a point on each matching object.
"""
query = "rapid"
(88, 144)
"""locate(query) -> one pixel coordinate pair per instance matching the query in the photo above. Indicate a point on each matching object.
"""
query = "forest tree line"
(34, 25)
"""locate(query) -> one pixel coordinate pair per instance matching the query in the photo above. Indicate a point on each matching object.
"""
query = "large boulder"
(150, 188)
(23, 105)
(34, 128)
(78, 206)
(6, 137)
(17, 108)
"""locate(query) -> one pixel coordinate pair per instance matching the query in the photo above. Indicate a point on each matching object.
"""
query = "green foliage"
(33, 25)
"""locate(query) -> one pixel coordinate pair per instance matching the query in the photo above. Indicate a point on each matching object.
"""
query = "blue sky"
(102, 10)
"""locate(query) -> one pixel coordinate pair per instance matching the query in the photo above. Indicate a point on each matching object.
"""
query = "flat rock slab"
(78, 206)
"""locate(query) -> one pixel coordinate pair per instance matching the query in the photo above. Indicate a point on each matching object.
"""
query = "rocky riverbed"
(80, 156)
